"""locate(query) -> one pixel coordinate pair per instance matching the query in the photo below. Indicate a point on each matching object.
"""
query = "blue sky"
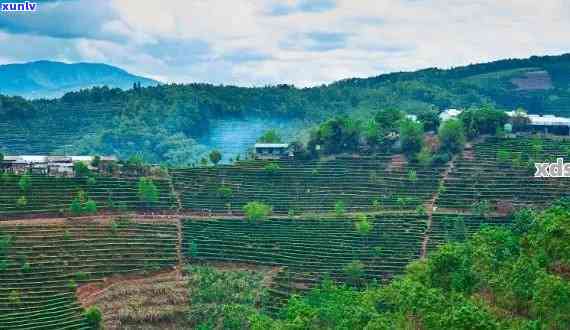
(301, 42)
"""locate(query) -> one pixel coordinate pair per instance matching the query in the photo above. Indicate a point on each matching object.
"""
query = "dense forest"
(162, 123)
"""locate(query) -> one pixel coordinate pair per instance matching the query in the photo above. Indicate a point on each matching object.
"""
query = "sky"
(265, 42)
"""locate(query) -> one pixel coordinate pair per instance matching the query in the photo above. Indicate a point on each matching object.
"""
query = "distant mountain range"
(47, 79)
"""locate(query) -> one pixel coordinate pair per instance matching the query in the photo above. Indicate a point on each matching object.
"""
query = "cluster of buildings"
(48, 165)
(547, 124)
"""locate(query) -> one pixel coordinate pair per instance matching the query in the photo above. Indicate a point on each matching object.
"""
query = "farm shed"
(272, 150)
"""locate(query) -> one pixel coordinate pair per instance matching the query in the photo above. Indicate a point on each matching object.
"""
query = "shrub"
(25, 183)
(91, 181)
(272, 168)
(22, 202)
(503, 157)
(26, 267)
(354, 271)
(81, 276)
(147, 192)
(94, 318)
(76, 208)
(256, 211)
(339, 208)
(362, 225)
(90, 207)
(225, 192)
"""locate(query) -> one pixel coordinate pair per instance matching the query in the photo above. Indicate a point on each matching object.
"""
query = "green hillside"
(164, 122)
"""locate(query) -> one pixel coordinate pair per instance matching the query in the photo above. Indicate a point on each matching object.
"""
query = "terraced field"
(307, 250)
(445, 227)
(46, 263)
(480, 175)
(54, 194)
(307, 186)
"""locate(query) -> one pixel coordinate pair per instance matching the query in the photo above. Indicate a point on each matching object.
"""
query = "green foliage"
(411, 137)
(81, 276)
(148, 192)
(272, 168)
(223, 299)
(363, 225)
(481, 208)
(25, 183)
(256, 211)
(270, 136)
(215, 157)
(91, 181)
(429, 119)
(90, 207)
(76, 207)
(21, 202)
(81, 169)
(339, 209)
(451, 136)
(337, 135)
(483, 120)
(503, 157)
(354, 272)
(225, 192)
(94, 318)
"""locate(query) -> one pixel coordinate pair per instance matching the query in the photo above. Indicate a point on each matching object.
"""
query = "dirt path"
(431, 204)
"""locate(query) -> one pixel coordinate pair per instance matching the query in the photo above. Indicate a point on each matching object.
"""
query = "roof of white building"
(545, 120)
(271, 145)
(44, 159)
(449, 113)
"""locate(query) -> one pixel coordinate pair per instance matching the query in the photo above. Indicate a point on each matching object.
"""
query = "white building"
(544, 123)
(449, 114)
(272, 150)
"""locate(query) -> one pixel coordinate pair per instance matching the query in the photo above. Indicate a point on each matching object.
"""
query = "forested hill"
(162, 122)
(47, 79)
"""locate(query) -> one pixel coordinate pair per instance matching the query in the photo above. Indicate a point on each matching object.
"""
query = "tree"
(429, 119)
(94, 318)
(1, 156)
(354, 271)
(270, 136)
(388, 119)
(77, 204)
(90, 207)
(80, 169)
(411, 137)
(451, 136)
(147, 192)
(257, 211)
(483, 120)
(25, 183)
(215, 157)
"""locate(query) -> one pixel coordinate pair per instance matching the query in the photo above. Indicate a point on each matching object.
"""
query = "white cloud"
(256, 42)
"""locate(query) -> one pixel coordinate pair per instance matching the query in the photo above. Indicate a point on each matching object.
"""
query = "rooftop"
(271, 145)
